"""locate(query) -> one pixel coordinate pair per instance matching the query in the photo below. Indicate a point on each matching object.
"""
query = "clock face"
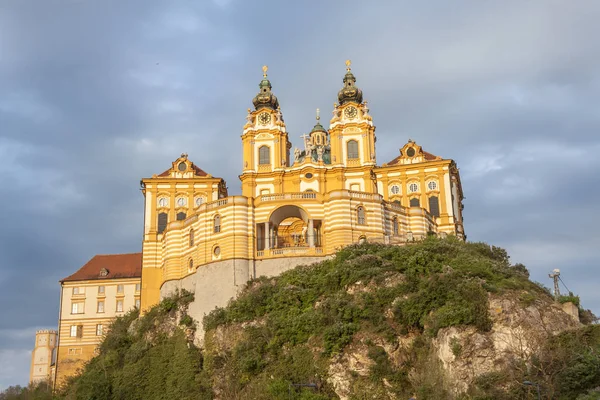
(351, 112)
(410, 152)
(264, 118)
(162, 202)
(181, 202)
(182, 167)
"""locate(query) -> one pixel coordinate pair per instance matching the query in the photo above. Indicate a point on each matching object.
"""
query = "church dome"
(265, 98)
(349, 93)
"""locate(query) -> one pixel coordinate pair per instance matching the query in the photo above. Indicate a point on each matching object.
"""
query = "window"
(191, 265)
(199, 201)
(395, 226)
(264, 155)
(120, 289)
(410, 152)
(434, 206)
(162, 222)
(191, 238)
(119, 305)
(138, 286)
(100, 289)
(432, 185)
(181, 216)
(360, 215)
(163, 202)
(395, 189)
(352, 149)
(217, 224)
(77, 308)
(100, 307)
(76, 331)
(414, 202)
(99, 330)
(76, 290)
(137, 303)
(217, 251)
(413, 187)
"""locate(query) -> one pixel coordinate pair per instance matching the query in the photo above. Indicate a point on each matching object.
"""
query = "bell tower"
(266, 148)
(352, 133)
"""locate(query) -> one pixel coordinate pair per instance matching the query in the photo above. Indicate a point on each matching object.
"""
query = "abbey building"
(297, 206)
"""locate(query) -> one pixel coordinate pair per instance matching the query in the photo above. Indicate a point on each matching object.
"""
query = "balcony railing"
(289, 196)
(289, 251)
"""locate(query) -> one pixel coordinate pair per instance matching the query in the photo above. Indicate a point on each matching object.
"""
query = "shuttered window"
(217, 226)
(434, 206)
(162, 222)
(360, 215)
(264, 155)
(352, 149)
(414, 202)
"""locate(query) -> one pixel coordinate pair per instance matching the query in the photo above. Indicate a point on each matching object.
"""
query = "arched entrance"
(289, 227)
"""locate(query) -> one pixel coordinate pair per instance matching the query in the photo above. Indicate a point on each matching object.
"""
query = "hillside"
(441, 319)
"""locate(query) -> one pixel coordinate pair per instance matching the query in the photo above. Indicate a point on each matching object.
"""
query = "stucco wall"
(216, 283)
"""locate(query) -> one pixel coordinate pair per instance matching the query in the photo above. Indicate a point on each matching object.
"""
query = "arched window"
(191, 238)
(191, 265)
(264, 155)
(217, 224)
(181, 216)
(395, 226)
(434, 206)
(352, 149)
(360, 215)
(414, 202)
(162, 222)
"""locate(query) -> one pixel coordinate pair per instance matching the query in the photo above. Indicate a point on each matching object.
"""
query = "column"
(311, 233)
(267, 236)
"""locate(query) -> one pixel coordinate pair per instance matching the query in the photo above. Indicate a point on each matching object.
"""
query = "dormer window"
(103, 272)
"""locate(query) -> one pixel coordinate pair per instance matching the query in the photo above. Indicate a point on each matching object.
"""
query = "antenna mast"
(555, 275)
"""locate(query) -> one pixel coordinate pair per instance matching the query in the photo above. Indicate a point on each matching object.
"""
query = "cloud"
(99, 96)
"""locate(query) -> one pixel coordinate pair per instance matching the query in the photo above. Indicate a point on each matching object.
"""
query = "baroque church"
(296, 207)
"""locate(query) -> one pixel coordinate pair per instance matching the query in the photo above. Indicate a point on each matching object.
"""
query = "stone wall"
(216, 283)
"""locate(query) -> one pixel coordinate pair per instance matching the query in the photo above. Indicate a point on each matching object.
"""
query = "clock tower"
(266, 147)
(351, 129)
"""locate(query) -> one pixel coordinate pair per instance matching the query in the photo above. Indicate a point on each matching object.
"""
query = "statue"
(320, 153)
(278, 115)
(249, 117)
(365, 109)
(296, 154)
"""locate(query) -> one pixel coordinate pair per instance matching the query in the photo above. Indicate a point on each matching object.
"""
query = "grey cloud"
(96, 95)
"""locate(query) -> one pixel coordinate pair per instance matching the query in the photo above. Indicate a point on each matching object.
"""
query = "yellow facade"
(300, 205)
(87, 308)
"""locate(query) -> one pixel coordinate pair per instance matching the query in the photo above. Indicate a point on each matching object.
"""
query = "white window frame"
(99, 329)
(120, 288)
(119, 302)
(100, 309)
(75, 307)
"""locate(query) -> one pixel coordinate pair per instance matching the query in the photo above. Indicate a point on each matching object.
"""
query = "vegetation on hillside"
(294, 328)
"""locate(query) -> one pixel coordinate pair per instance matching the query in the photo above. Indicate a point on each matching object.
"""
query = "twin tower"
(296, 207)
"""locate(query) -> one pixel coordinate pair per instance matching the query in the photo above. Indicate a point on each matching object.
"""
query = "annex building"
(296, 207)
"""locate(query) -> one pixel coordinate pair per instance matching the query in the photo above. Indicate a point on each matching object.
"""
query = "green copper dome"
(264, 98)
(349, 93)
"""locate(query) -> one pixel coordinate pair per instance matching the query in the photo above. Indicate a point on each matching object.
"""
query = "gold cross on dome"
(318, 116)
(265, 69)
(348, 63)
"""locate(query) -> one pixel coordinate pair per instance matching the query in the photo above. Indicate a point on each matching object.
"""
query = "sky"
(95, 95)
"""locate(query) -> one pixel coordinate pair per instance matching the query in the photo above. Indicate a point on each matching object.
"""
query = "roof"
(427, 156)
(119, 266)
(197, 171)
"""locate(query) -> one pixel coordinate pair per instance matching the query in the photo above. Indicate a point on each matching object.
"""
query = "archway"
(288, 226)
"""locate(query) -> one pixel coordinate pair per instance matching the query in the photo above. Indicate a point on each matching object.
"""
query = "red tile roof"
(198, 172)
(118, 266)
(427, 156)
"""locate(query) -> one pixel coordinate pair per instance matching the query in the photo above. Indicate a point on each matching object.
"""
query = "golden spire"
(348, 63)
(265, 69)
(318, 116)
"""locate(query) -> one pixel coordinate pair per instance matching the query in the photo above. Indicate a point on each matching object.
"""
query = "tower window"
(395, 189)
(413, 187)
(191, 238)
(352, 149)
(264, 155)
(162, 222)
(414, 202)
(181, 216)
(217, 224)
(434, 206)
(432, 185)
(360, 215)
